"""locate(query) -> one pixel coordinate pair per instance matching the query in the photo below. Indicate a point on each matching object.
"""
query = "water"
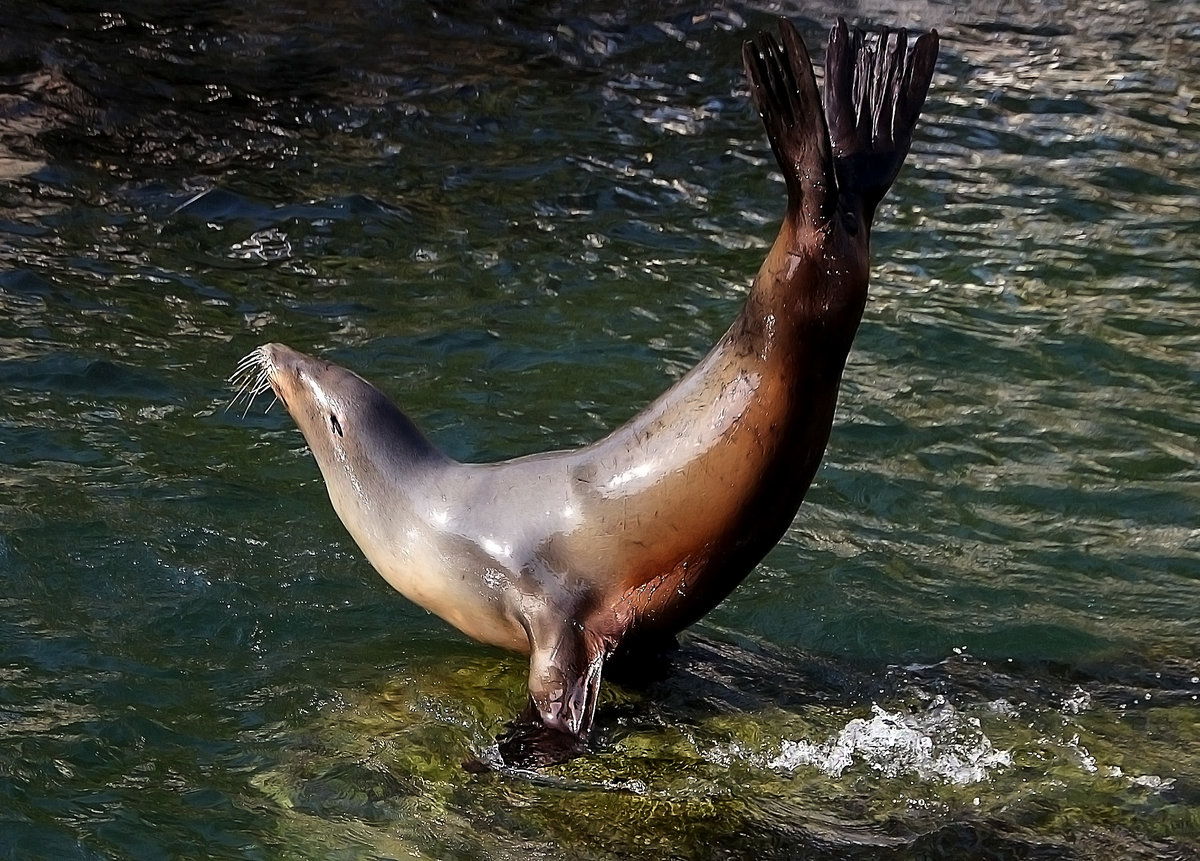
(980, 635)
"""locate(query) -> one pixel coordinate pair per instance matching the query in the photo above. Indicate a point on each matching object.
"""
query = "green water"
(980, 637)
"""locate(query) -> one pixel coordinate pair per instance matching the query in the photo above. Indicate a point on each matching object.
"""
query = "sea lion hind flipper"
(874, 91)
(784, 90)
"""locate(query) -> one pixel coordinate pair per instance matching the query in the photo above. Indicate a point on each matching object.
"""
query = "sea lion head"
(359, 438)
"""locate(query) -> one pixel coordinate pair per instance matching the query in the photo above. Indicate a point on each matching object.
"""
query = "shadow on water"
(977, 640)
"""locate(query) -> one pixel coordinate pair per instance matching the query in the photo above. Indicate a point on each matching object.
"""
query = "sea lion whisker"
(246, 384)
(236, 395)
(250, 402)
(252, 378)
(253, 359)
(244, 379)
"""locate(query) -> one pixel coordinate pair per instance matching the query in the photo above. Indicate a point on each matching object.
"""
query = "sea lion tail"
(848, 153)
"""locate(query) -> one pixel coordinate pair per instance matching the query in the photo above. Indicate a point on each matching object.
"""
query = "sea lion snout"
(307, 387)
(318, 395)
(283, 366)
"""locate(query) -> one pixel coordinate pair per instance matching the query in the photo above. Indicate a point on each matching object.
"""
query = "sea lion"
(575, 556)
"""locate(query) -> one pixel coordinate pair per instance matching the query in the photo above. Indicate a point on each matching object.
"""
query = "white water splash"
(1081, 701)
(938, 744)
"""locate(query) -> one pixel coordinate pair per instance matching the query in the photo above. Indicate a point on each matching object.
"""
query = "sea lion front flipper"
(565, 666)
(874, 91)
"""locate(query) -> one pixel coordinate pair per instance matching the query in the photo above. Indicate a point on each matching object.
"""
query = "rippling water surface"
(980, 636)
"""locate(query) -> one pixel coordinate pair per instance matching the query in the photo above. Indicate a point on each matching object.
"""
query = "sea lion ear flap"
(784, 90)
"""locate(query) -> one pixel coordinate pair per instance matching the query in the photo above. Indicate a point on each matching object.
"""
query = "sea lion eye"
(335, 424)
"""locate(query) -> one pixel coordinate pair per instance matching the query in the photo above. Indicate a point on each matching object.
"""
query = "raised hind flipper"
(874, 91)
(847, 155)
(785, 92)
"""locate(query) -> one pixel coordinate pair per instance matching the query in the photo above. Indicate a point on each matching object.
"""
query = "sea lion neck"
(356, 433)
(810, 290)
